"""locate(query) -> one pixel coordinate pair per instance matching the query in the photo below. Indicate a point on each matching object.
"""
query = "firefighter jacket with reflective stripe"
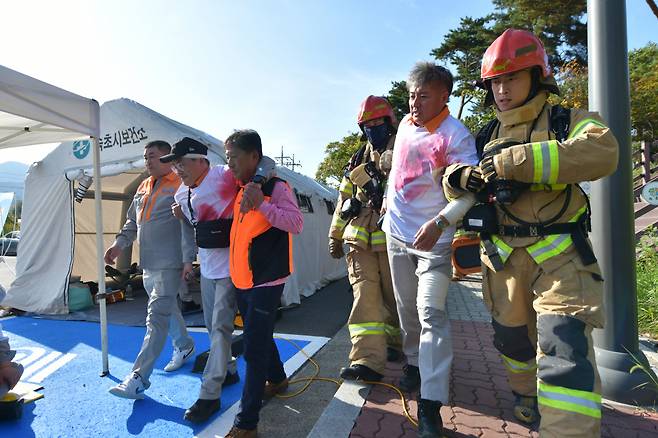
(362, 230)
(259, 252)
(158, 232)
(590, 152)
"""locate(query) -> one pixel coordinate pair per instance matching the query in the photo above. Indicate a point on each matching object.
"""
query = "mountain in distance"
(12, 177)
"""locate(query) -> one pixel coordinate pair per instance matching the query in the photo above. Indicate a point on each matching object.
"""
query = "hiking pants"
(420, 282)
(543, 316)
(163, 316)
(373, 322)
(218, 313)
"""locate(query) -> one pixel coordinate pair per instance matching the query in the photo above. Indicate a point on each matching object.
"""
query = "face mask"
(377, 135)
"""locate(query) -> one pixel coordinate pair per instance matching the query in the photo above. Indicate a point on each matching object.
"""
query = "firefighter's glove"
(336, 248)
(359, 176)
(385, 161)
(471, 179)
(488, 170)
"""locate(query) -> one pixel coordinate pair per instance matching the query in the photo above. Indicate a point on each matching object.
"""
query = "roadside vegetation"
(647, 284)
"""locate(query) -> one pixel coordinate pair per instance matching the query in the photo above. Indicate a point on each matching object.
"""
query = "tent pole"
(98, 195)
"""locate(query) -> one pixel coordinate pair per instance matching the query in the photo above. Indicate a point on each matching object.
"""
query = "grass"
(647, 284)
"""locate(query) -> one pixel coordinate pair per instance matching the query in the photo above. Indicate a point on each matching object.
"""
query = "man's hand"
(176, 210)
(471, 179)
(252, 197)
(336, 248)
(188, 271)
(427, 236)
(386, 161)
(112, 253)
(488, 170)
(10, 374)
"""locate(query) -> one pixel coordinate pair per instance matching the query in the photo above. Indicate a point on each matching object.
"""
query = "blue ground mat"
(65, 357)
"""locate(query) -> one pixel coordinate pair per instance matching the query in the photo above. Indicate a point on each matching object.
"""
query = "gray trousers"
(163, 316)
(219, 308)
(420, 284)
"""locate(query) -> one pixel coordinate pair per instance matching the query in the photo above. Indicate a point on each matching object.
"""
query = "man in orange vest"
(265, 216)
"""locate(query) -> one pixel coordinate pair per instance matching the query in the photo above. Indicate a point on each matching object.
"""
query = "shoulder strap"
(356, 159)
(559, 121)
(483, 136)
(268, 187)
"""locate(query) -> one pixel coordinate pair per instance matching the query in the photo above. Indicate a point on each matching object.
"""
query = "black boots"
(360, 372)
(526, 409)
(410, 381)
(430, 424)
(201, 410)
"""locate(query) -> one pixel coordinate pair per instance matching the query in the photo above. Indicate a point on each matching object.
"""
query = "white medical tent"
(57, 233)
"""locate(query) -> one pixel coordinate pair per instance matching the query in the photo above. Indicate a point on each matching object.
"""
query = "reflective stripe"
(571, 400)
(355, 232)
(346, 187)
(547, 187)
(555, 244)
(504, 250)
(391, 331)
(546, 162)
(517, 367)
(338, 222)
(584, 124)
(378, 238)
(367, 328)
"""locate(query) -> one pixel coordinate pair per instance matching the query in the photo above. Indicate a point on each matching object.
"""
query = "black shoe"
(411, 379)
(360, 372)
(525, 408)
(231, 378)
(201, 410)
(393, 354)
(430, 424)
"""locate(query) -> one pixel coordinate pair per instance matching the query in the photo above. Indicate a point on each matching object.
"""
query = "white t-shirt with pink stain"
(414, 194)
(212, 199)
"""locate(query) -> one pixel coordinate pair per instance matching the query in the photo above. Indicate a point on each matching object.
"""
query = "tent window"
(304, 202)
(330, 207)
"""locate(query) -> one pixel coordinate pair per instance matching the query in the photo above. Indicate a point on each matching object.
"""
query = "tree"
(558, 23)
(337, 155)
(398, 97)
(643, 72)
(463, 48)
(573, 84)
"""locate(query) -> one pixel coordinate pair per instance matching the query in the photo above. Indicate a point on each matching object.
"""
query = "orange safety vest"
(260, 253)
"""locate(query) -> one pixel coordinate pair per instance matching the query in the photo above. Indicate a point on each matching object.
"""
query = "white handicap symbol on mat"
(39, 365)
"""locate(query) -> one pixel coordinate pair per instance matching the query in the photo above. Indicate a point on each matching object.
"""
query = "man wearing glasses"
(206, 200)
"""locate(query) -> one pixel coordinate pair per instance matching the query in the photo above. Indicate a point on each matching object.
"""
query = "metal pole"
(98, 196)
(616, 346)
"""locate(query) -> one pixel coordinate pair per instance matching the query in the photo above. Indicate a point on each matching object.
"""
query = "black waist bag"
(213, 234)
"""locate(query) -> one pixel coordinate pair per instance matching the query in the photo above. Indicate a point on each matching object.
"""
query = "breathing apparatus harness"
(483, 218)
(371, 183)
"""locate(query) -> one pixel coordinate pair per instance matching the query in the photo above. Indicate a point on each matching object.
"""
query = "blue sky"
(294, 70)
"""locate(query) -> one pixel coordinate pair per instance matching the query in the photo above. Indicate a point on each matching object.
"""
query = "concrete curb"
(340, 415)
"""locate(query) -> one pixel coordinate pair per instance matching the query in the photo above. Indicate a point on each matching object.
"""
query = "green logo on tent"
(81, 148)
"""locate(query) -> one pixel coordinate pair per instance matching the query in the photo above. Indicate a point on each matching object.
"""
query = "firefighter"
(373, 321)
(541, 280)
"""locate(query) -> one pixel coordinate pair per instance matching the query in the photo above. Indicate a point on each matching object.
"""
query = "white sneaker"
(131, 387)
(178, 358)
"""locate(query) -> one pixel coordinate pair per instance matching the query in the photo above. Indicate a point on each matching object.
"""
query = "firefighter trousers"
(543, 316)
(373, 321)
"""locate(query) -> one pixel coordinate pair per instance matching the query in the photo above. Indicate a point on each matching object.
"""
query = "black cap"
(187, 147)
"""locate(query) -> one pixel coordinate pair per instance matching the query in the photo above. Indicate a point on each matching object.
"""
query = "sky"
(296, 71)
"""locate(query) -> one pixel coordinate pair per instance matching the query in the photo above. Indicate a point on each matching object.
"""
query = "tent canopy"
(34, 112)
(57, 237)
